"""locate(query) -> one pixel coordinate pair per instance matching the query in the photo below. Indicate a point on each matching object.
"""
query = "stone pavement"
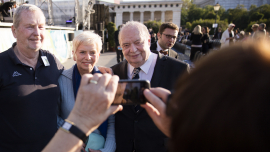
(107, 59)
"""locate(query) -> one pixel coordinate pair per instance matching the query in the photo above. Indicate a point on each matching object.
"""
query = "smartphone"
(130, 92)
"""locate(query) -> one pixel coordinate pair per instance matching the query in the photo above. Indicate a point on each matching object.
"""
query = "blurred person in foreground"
(205, 40)
(196, 41)
(227, 111)
(86, 52)
(227, 36)
(167, 36)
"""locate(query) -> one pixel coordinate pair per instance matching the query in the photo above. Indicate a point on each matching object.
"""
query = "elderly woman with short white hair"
(86, 52)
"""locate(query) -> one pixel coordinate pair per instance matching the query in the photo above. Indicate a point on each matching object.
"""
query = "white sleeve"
(223, 37)
(110, 144)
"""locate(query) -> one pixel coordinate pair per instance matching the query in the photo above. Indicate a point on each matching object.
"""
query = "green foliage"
(195, 13)
(188, 25)
(252, 6)
(240, 16)
(153, 24)
(222, 24)
(255, 16)
(211, 15)
(111, 29)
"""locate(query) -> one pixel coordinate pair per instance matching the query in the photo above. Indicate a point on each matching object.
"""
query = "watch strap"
(69, 127)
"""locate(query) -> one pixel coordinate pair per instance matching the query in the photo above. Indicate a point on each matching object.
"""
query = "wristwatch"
(69, 127)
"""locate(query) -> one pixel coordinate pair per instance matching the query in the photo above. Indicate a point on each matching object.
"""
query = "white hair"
(89, 38)
(131, 25)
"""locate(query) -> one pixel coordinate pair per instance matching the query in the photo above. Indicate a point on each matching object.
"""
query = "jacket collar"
(68, 73)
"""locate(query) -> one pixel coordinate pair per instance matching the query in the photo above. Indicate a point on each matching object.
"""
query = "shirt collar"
(145, 67)
(159, 48)
(17, 61)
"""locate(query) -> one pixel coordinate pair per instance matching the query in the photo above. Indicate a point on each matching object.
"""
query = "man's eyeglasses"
(169, 36)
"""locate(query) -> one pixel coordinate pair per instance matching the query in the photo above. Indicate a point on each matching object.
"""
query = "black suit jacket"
(171, 52)
(137, 130)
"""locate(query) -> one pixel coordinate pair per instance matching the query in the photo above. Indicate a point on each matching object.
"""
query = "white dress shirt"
(159, 48)
(147, 69)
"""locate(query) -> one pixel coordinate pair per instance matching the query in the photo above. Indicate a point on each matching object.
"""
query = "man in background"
(119, 54)
(167, 36)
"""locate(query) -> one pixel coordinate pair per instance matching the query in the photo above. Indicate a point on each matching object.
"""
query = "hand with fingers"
(92, 107)
(94, 99)
(157, 109)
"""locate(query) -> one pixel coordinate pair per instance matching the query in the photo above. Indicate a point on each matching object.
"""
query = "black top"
(116, 40)
(217, 35)
(231, 41)
(28, 102)
(196, 39)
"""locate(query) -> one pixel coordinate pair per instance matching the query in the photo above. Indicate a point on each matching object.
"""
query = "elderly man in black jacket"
(134, 129)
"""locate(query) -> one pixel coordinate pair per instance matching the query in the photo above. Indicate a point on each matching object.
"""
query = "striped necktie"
(135, 75)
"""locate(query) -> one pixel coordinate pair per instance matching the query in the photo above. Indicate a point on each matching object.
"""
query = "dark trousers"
(193, 52)
(119, 55)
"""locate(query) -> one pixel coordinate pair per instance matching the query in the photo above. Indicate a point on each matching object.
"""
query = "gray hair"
(143, 31)
(19, 10)
(88, 38)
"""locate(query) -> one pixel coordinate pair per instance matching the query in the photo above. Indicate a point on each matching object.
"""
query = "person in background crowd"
(187, 36)
(86, 52)
(261, 28)
(134, 130)
(181, 38)
(260, 33)
(196, 41)
(247, 36)
(151, 31)
(236, 34)
(119, 53)
(205, 40)
(241, 36)
(153, 38)
(218, 34)
(254, 28)
(28, 85)
(167, 35)
(227, 36)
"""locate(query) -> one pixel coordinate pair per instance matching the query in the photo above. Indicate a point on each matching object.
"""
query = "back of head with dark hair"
(223, 104)
(168, 25)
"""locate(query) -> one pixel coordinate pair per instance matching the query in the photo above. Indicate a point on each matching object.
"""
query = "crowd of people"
(218, 106)
(200, 38)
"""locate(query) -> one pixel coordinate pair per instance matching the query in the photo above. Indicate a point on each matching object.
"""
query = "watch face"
(66, 125)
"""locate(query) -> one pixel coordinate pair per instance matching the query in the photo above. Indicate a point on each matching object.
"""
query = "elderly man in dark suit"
(134, 129)
(167, 36)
